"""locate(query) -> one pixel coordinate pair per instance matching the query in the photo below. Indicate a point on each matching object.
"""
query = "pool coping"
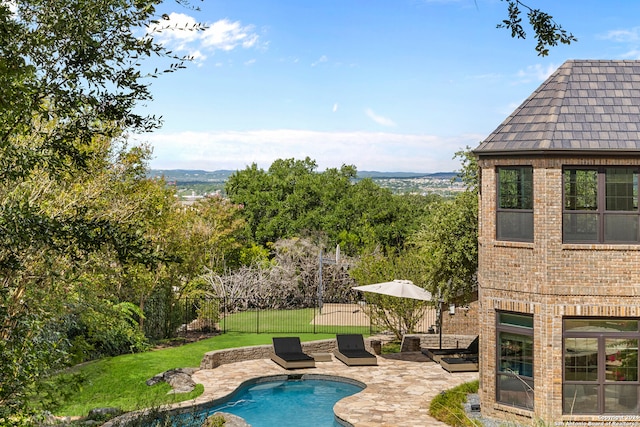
(197, 407)
(398, 390)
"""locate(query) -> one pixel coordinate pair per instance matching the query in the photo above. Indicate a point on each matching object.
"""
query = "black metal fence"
(203, 315)
(333, 317)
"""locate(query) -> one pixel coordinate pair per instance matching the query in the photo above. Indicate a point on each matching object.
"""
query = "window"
(514, 379)
(600, 205)
(600, 366)
(514, 213)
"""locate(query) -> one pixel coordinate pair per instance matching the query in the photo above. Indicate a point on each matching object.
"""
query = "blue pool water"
(306, 402)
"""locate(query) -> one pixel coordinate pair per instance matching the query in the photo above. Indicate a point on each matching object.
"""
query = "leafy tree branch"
(547, 31)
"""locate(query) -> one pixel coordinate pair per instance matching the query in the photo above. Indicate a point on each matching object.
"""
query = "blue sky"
(387, 85)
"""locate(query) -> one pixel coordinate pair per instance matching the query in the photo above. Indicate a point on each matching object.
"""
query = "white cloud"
(322, 59)
(384, 121)
(508, 109)
(380, 151)
(632, 54)
(623, 36)
(227, 35)
(179, 32)
(198, 57)
(335, 107)
(629, 37)
(536, 73)
(13, 6)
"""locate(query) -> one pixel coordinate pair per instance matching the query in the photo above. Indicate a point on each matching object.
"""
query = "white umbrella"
(397, 288)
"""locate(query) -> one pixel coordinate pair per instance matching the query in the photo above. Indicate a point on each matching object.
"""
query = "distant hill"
(190, 183)
(405, 175)
(193, 176)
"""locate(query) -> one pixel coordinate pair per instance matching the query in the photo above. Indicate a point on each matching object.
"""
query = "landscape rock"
(179, 379)
(230, 420)
(103, 413)
(52, 420)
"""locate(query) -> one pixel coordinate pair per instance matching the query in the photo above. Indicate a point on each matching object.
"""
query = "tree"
(289, 280)
(547, 32)
(398, 315)
(448, 239)
(369, 217)
(57, 261)
(289, 199)
(71, 79)
(292, 199)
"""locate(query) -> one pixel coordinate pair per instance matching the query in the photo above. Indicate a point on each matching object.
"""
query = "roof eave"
(555, 152)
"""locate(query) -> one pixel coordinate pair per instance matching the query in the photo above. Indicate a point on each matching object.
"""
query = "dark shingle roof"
(585, 106)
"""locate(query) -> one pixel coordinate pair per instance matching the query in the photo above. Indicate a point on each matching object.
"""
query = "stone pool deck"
(399, 390)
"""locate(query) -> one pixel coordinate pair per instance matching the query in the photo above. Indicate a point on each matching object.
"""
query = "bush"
(448, 406)
(108, 330)
(391, 347)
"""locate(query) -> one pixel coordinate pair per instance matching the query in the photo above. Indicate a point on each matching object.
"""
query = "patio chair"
(351, 351)
(459, 364)
(436, 354)
(287, 352)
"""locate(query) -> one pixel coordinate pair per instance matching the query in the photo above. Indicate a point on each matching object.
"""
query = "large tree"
(448, 239)
(71, 75)
(291, 199)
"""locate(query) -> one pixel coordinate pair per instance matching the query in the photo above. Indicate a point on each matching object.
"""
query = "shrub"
(108, 330)
(448, 405)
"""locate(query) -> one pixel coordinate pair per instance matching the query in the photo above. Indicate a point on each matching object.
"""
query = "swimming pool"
(289, 401)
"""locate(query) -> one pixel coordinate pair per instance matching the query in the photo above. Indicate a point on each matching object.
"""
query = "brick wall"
(546, 278)
(464, 321)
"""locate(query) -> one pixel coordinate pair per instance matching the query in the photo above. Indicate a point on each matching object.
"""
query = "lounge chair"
(436, 354)
(351, 351)
(459, 364)
(287, 352)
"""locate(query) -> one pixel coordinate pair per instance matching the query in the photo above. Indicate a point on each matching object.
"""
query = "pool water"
(305, 402)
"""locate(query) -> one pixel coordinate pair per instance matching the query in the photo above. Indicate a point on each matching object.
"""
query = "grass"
(448, 405)
(121, 381)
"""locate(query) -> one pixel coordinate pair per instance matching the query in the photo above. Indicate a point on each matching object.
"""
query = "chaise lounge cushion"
(436, 354)
(459, 364)
(287, 352)
(351, 351)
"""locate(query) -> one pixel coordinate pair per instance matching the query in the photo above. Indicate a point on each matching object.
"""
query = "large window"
(600, 205)
(514, 220)
(514, 379)
(600, 366)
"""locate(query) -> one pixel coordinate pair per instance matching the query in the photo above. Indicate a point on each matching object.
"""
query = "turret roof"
(584, 106)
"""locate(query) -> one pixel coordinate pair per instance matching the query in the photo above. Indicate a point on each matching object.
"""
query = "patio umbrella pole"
(440, 321)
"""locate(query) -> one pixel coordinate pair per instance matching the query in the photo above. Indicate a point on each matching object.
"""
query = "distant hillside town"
(194, 184)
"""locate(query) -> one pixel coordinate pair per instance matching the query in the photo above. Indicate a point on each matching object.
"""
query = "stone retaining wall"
(215, 358)
(433, 341)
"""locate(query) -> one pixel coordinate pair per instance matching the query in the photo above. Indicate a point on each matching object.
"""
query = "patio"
(399, 390)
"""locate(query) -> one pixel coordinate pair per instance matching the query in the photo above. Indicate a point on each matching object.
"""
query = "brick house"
(559, 250)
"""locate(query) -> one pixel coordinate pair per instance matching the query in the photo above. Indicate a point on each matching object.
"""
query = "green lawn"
(286, 321)
(120, 381)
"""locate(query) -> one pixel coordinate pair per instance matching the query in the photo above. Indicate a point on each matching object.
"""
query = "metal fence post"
(224, 308)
